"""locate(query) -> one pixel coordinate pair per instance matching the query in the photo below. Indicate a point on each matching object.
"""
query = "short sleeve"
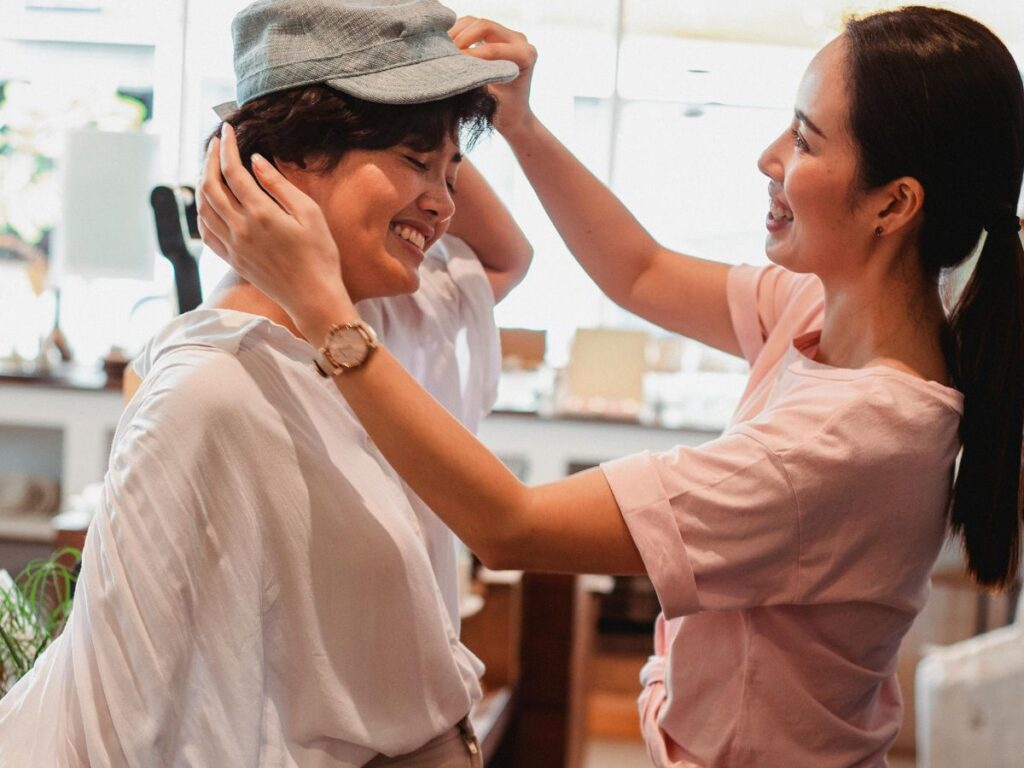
(444, 334)
(717, 526)
(759, 297)
(806, 505)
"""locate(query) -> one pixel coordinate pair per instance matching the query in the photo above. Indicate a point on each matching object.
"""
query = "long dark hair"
(937, 97)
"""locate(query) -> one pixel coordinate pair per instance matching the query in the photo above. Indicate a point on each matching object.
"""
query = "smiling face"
(818, 220)
(385, 208)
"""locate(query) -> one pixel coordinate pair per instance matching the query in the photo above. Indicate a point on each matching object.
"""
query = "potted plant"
(33, 609)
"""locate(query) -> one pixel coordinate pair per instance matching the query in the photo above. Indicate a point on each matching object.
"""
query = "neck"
(891, 317)
(235, 293)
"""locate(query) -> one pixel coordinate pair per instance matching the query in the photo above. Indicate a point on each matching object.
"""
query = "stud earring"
(879, 231)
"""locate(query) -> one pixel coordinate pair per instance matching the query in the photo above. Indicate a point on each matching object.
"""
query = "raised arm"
(573, 525)
(483, 221)
(678, 292)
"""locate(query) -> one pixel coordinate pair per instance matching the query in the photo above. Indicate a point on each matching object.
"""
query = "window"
(111, 64)
(668, 102)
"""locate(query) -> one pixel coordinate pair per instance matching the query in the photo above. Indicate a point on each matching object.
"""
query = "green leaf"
(34, 611)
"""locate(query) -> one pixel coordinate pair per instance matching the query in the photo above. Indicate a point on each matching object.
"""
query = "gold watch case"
(346, 347)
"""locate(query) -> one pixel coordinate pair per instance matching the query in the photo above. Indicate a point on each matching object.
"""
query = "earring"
(879, 231)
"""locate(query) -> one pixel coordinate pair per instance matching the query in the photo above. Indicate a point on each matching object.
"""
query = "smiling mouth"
(778, 212)
(410, 235)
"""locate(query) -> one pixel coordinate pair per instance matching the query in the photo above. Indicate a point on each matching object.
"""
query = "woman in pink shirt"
(791, 554)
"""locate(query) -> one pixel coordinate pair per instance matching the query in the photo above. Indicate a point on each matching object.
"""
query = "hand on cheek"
(270, 232)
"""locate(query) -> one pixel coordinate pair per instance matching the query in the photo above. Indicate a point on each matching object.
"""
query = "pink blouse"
(791, 554)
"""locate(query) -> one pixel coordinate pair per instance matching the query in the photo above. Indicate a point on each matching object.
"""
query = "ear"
(310, 182)
(292, 172)
(901, 201)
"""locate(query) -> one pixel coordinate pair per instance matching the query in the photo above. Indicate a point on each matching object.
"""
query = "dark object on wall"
(177, 232)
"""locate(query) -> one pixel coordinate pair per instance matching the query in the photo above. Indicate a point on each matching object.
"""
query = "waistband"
(461, 739)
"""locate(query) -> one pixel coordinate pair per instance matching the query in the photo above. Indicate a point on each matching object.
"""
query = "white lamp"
(106, 227)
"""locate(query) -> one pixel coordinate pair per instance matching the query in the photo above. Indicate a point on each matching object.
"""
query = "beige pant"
(458, 748)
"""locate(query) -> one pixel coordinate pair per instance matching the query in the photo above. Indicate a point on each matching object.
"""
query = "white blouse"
(259, 588)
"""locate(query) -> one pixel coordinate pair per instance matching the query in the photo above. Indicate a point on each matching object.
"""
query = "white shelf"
(549, 446)
(86, 420)
(27, 528)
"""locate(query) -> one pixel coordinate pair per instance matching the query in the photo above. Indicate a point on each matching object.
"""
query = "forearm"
(678, 292)
(476, 495)
(483, 221)
(572, 525)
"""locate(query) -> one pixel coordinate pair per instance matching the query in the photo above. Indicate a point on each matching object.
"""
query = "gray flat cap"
(388, 51)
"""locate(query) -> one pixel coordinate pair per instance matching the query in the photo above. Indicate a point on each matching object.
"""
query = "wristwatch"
(345, 348)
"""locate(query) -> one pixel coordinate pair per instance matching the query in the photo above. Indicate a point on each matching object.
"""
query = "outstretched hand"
(270, 232)
(488, 40)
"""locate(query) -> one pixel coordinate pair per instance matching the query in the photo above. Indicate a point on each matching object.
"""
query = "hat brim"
(429, 80)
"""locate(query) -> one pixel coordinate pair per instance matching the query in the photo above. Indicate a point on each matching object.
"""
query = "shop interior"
(671, 110)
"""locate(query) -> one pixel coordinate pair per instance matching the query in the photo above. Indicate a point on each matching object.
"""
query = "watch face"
(348, 347)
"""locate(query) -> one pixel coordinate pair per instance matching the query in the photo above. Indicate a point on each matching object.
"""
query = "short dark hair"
(314, 126)
(936, 96)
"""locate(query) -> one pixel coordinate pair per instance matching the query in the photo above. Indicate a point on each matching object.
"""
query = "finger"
(216, 193)
(460, 24)
(211, 241)
(481, 31)
(209, 217)
(293, 200)
(238, 179)
(503, 52)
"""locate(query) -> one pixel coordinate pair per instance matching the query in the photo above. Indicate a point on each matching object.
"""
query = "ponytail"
(987, 335)
(951, 115)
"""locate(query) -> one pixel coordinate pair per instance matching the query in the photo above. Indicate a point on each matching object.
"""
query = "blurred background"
(669, 102)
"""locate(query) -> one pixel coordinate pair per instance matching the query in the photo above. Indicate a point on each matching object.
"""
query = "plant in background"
(33, 609)
(34, 118)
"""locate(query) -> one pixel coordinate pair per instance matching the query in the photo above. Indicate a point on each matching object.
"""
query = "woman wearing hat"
(259, 587)
(791, 554)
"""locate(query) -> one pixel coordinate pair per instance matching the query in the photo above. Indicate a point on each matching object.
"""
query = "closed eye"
(421, 166)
